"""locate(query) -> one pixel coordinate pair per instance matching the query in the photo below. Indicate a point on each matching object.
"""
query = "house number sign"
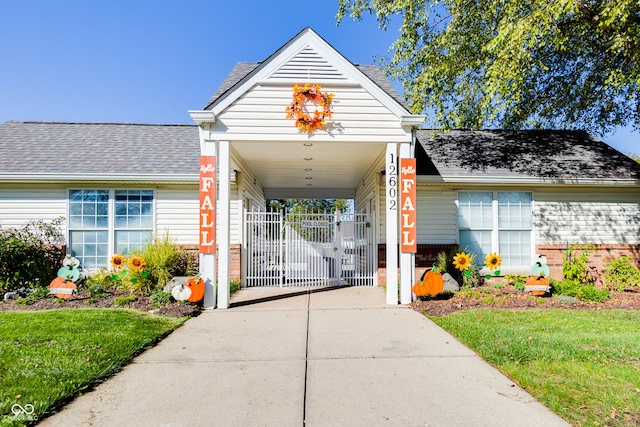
(392, 171)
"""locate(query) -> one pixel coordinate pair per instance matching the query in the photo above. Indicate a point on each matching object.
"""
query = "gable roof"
(95, 149)
(321, 59)
(243, 69)
(546, 154)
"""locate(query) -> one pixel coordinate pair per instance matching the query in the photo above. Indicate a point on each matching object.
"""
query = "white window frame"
(111, 228)
(495, 230)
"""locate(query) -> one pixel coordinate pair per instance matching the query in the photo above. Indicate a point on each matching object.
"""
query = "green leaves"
(514, 64)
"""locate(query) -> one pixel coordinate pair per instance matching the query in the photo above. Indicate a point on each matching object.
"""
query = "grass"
(584, 365)
(48, 357)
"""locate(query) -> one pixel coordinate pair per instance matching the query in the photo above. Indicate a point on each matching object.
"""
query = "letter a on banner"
(408, 230)
(207, 204)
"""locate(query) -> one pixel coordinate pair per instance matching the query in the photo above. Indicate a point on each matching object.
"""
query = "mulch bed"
(510, 298)
(84, 300)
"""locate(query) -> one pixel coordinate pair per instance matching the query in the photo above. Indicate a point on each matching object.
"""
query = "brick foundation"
(235, 259)
(425, 258)
(598, 259)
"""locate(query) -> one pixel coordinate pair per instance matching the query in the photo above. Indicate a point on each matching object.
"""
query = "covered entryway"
(309, 249)
(261, 152)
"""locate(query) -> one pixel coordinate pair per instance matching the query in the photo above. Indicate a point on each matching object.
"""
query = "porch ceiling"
(309, 169)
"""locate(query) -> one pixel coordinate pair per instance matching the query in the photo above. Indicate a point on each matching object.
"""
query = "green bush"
(159, 297)
(574, 263)
(620, 273)
(583, 291)
(30, 256)
(164, 261)
(518, 281)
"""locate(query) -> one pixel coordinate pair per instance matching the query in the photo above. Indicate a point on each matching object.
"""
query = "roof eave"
(520, 181)
(98, 178)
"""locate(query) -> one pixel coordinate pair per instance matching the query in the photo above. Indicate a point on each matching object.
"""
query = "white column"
(406, 259)
(208, 261)
(391, 208)
(224, 196)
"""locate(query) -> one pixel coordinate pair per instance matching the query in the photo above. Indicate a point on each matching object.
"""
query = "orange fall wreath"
(298, 111)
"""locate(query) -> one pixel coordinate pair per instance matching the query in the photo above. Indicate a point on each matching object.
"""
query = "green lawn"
(582, 364)
(48, 357)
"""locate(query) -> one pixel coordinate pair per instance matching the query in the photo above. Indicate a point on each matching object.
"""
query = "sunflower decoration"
(118, 261)
(492, 262)
(462, 261)
(297, 110)
(137, 263)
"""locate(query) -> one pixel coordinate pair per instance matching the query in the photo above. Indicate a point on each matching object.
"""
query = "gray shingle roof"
(527, 153)
(98, 148)
(243, 69)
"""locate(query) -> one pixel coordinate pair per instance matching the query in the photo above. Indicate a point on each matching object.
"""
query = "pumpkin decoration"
(70, 273)
(537, 284)
(196, 285)
(431, 283)
(62, 287)
(181, 293)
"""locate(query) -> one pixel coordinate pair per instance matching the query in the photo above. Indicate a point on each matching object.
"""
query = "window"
(104, 222)
(496, 222)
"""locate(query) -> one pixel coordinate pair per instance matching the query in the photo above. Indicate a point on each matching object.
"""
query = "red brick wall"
(598, 258)
(235, 259)
(425, 258)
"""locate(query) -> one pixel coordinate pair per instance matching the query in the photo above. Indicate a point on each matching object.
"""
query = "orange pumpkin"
(62, 288)
(536, 281)
(196, 284)
(430, 284)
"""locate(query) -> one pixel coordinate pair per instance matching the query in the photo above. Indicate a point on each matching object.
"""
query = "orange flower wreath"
(298, 111)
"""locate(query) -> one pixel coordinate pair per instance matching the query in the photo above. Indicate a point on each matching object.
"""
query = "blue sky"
(149, 62)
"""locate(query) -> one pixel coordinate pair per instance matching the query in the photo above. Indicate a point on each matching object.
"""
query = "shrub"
(621, 273)
(164, 260)
(159, 297)
(29, 256)
(583, 291)
(574, 263)
(518, 281)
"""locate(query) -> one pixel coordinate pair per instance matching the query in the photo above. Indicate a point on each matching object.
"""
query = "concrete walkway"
(339, 357)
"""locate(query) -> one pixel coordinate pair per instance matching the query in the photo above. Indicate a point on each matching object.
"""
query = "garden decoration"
(64, 285)
(297, 110)
(192, 290)
(181, 292)
(492, 262)
(463, 262)
(537, 284)
(430, 283)
(196, 284)
(136, 264)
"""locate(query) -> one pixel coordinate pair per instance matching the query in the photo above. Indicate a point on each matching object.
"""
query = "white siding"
(260, 115)
(21, 203)
(436, 211)
(587, 216)
(177, 212)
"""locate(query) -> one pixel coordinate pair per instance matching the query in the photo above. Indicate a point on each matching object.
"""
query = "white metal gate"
(308, 249)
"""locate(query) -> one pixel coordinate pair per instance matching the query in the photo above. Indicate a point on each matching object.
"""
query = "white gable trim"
(304, 40)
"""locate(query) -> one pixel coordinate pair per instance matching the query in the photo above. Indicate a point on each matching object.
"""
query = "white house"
(518, 193)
